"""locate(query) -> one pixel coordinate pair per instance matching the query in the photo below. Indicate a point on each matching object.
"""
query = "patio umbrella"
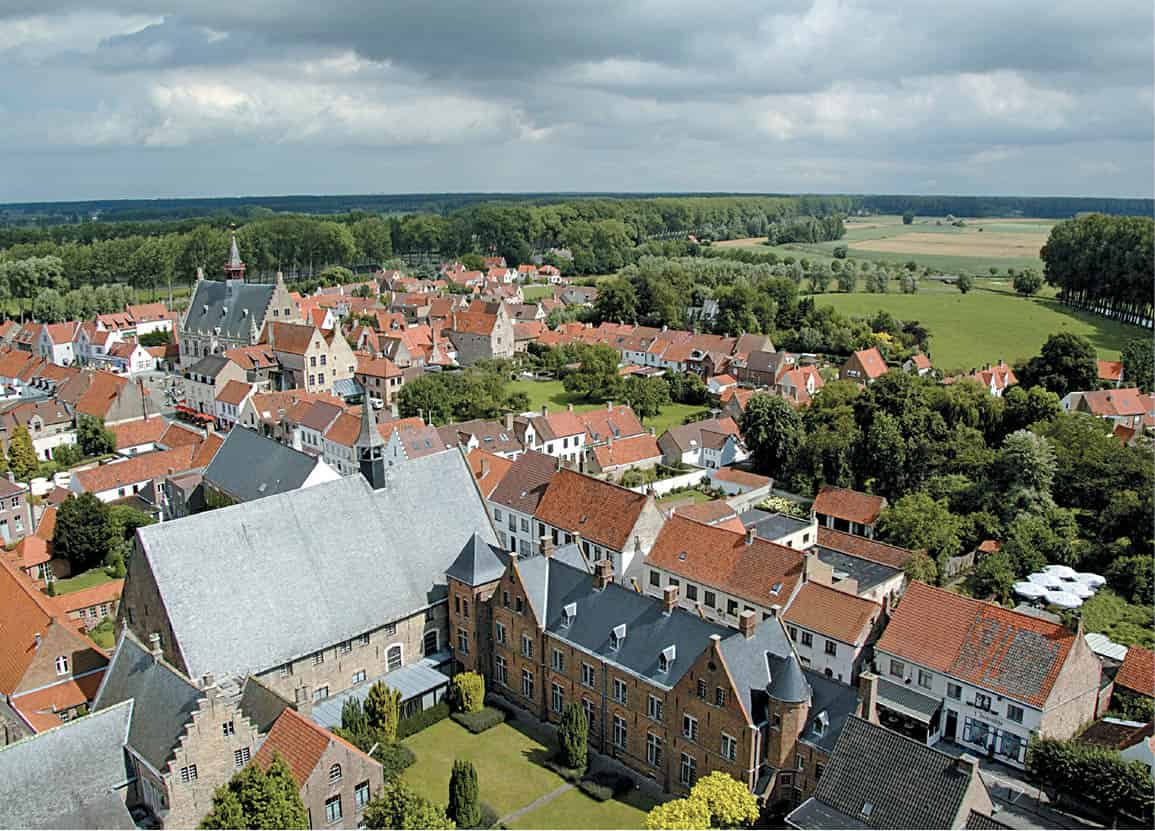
(1080, 590)
(1062, 572)
(1045, 580)
(1031, 591)
(1064, 600)
(1091, 579)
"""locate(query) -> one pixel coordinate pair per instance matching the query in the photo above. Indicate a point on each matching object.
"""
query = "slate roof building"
(249, 466)
(980, 675)
(73, 776)
(228, 590)
(879, 779)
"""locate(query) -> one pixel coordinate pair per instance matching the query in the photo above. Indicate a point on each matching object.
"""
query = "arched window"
(393, 657)
(335, 774)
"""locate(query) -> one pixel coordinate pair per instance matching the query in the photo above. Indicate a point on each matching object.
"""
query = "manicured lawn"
(689, 497)
(573, 809)
(987, 324)
(507, 762)
(510, 777)
(536, 292)
(553, 394)
(104, 635)
(84, 580)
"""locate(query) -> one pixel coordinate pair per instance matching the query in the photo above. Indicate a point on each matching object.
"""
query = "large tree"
(647, 396)
(22, 455)
(398, 806)
(93, 437)
(596, 377)
(258, 798)
(918, 521)
(1066, 363)
(383, 710)
(82, 532)
(773, 431)
(1139, 364)
(573, 736)
(617, 302)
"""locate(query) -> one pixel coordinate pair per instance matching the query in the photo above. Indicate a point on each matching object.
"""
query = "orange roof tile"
(138, 432)
(723, 559)
(252, 357)
(140, 468)
(93, 595)
(203, 453)
(1012, 654)
(344, 429)
(46, 528)
(602, 513)
(299, 741)
(606, 422)
(177, 435)
(1121, 402)
(1138, 671)
(864, 549)
(741, 477)
(292, 338)
(376, 367)
(234, 393)
(836, 614)
(628, 451)
(40, 708)
(853, 506)
(472, 323)
(872, 362)
(101, 392)
(1110, 370)
(488, 469)
(31, 551)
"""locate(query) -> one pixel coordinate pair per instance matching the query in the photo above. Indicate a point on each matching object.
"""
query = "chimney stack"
(545, 409)
(509, 421)
(484, 467)
(868, 696)
(208, 680)
(603, 574)
(749, 536)
(747, 622)
(547, 544)
(154, 646)
(967, 765)
(609, 406)
(669, 599)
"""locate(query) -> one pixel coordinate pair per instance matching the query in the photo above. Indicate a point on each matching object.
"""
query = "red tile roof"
(101, 393)
(40, 708)
(999, 376)
(177, 435)
(472, 323)
(741, 477)
(628, 451)
(31, 551)
(1015, 655)
(557, 425)
(234, 393)
(853, 506)
(715, 512)
(138, 432)
(299, 741)
(376, 367)
(344, 429)
(142, 468)
(604, 422)
(602, 513)
(1110, 370)
(1138, 671)
(488, 469)
(1121, 402)
(291, 338)
(864, 549)
(836, 614)
(921, 361)
(873, 364)
(93, 595)
(252, 357)
(722, 559)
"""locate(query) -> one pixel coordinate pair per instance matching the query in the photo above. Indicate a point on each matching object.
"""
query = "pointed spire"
(235, 267)
(369, 436)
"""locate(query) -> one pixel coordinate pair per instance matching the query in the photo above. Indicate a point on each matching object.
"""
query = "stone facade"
(343, 777)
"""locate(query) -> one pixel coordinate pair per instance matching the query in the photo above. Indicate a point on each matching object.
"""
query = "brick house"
(606, 521)
(49, 671)
(336, 780)
(310, 359)
(89, 607)
(1122, 407)
(481, 335)
(670, 695)
(848, 510)
(863, 366)
(761, 368)
(15, 512)
(312, 543)
(979, 675)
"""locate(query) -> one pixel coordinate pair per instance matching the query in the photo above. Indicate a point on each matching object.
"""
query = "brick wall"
(1075, 695)
(355, 768)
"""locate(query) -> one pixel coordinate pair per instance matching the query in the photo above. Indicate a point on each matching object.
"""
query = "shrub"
(618, 783)
(383, 709)
(426, 718)
(484, 719)
(394, 759)
(592, 789)
(468, 692)
(573, 736)
(463, 807)
(1094, 774)
(558, 766)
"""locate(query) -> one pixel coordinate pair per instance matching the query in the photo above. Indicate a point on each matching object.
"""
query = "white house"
(830, 629)
(55, 343)
(561, 435)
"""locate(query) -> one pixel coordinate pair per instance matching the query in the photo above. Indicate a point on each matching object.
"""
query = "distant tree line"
(1042, 207)
(1104, 264)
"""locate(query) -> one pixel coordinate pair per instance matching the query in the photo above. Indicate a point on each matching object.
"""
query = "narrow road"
(537, 803)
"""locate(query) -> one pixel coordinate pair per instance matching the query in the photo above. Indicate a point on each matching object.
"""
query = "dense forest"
(1104, 264)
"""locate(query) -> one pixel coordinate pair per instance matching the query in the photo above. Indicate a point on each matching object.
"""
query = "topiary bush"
(484, 719)
(468, 692)
(426, 718)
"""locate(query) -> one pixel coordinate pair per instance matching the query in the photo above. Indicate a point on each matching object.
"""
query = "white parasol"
(1031, 591)
(1064, 600)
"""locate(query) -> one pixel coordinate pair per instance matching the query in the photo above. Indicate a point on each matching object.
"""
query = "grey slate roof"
(832, 699)
(261, 705)
(867, 572)
(981, 822)
(771, 526)
(224, 304)
(72, 776)
(339, 555)
(209, 365)
(164, 700)
(907, 700)
(410, 682)
(906, 783)
(552, 584)
(818, 816)
(478, 563)
(762, 665)
(249, 466)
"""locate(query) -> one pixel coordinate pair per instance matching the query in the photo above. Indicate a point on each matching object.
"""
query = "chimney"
(569, 407)
(545, 409)
(603, 574)
(154, 646)
(37, 638)
(749, 536)
(868, 696)
(208, 680)
(547, 544)
(509, 421)
(609, 406)
(967, 765)
(669, 599)
(747, 621)
(775, 610)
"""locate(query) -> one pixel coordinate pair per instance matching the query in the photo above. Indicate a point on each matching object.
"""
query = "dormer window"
(777, 587)
(617, 635)
(61, 664)
(867, 810)
(666, 657)
(568, 614)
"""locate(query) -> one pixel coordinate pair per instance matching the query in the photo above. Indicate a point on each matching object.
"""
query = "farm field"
(1002, 243)
(553, 394)
(536, 292)
(989, 323)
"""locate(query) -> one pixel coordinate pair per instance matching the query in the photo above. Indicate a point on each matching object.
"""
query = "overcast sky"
(143, 98)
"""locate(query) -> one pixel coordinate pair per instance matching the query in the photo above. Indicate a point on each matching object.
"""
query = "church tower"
(370, 447)
(234, 268)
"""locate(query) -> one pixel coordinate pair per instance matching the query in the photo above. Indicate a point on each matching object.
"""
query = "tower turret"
(370, 447)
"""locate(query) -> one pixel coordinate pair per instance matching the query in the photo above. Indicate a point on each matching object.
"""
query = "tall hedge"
(1094, 775)
(573, 735)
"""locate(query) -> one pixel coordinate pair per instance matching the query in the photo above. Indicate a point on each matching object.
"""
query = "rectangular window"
(320, 694)
(519, 605)
(688, 770)
(1015, 713)
(344, 647)
(982, 702)
(653, 750)
(1012, 746)
(462, 641)
(690, 727)
(978, 732)
(505, 599)
(732, 608)
(654, 707)
(719, 697)
(557, 700)
(228, 728)
(831, 648)
(925, 679)
(499, 670)
(359, 676)
(557, 661)
(709, 599)
(691, 592)
(799, 762)
(729, 747)
(621, 694)
(807, 639)
(621, 736)
(701, 689)
(465, 608)
(497, 514)
(589, 676)
(318, 658)
(241, 757)
(655, 578)
(524, 525)
(499, 632)
(188, 774)
(332, 809)
(363, 640)
(361, 795)
(527, 646)
(588, 706)
(953, 691)
(897, 668)
(284, 670)
(527, 683)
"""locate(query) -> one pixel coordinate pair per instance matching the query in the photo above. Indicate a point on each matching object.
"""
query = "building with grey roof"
(877, 778)
(249, 466)
(307, 589)
(72, 776)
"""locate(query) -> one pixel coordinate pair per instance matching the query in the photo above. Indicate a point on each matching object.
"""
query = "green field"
(510, 776)
(553, 395)
(943, 248)
(536, 292)
(84, 580)
(987, 324)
